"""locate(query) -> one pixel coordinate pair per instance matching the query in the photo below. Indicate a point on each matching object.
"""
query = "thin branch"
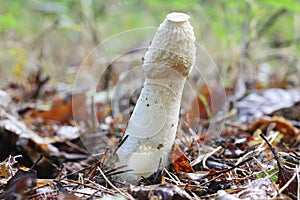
(272, 149)
(113, 186)
(268, 24)
(232, 168)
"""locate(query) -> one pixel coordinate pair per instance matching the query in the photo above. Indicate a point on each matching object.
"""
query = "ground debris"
(235, 164)
(163, 191)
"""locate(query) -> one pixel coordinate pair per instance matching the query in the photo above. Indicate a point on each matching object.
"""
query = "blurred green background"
(257, 40)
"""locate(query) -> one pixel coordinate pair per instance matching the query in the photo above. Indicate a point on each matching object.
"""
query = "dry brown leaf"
(62, 109)
(179, 160)
(281, 124)
(284, 175)
(209, 103)
(24, 178)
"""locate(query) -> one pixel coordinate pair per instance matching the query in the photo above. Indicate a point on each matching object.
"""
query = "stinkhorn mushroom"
(152, 127)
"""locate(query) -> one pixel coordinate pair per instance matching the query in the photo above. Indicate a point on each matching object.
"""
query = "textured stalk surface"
(152, 127)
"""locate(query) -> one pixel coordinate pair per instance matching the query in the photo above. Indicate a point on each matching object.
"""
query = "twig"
(272, 149)
(43, 195)
(172, 178)
(93, 114)
(122, 142)
(114, 171)
(270, 22)
(99, 163)
(78, 171)
(93, 170)
(78, 183)
(285, 43)
(271, 138)
(212, 179)
(268, 175)
(41, 83)
(100, 187)
(76, 147)
(112, 185)
(89, 186)
(298, 179)
(60, 170)
(146, 181)
(35, 188)
(231, 168)
(36, 162)
(210, 154)
(297, 156)
(84, 193)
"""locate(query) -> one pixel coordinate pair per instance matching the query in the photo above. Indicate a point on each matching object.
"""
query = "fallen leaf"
(24, 178)
(4, 170)
(62, 109)
(210, 101)
(179, 160)
(281, 124)
(284, 175)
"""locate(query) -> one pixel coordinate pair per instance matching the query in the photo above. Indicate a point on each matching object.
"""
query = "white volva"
(152, 127)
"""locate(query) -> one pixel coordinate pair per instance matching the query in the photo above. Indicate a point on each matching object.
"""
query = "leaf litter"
(43, 157)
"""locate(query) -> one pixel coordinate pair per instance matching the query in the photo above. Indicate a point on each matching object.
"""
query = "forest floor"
(251, 152)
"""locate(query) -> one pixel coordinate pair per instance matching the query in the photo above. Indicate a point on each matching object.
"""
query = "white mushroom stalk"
(152, 127)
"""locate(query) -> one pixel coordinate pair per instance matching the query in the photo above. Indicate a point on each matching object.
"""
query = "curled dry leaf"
(179, 160)
(281, 124)
(62, 109)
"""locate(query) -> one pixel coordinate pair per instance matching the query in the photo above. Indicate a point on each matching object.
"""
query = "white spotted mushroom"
(152, 127)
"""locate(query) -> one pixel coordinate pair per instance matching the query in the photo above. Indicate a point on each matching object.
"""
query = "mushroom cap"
(173, 48)
(177, 17)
